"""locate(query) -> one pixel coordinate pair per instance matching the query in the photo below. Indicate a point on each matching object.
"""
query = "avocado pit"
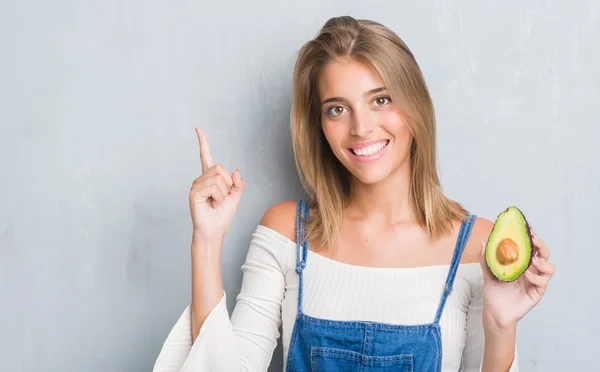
(507, 251)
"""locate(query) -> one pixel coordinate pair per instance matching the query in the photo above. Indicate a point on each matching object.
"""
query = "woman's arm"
(486, 348)
(208, 339)
(499, 349)
(246, 340)
(207, 286)
(506, 303)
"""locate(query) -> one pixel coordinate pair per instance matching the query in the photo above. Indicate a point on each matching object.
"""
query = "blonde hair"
(325, 179)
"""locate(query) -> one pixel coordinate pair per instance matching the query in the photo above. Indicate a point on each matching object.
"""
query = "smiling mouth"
(370, 150)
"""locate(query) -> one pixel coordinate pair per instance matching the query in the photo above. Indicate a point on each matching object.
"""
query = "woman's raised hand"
(214, 196)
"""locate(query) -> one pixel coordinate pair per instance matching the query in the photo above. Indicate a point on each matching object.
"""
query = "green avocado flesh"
(509, 247)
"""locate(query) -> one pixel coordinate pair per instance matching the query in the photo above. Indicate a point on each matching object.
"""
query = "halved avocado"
(509, 247)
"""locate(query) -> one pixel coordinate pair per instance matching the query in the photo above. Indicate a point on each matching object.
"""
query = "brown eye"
(381, 101)
(335, 111)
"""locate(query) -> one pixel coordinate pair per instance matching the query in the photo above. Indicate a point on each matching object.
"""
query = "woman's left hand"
(505, 303)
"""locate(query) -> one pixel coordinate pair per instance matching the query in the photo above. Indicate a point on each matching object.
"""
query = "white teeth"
(370, 150)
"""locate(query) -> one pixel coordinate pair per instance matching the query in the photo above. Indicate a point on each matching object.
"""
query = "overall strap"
(302, 212)
(463, 237)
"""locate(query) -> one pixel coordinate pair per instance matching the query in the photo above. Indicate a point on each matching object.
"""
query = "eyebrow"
(340, 99)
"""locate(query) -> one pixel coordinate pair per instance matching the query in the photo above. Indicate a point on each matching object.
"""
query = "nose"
(362, 123)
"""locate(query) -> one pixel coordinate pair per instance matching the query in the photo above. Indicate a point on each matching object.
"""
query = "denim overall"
(328, 345)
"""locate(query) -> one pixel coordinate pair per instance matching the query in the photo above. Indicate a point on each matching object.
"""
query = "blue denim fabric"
(328, 345)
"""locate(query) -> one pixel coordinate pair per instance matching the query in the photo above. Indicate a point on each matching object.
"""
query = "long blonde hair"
(325, 179)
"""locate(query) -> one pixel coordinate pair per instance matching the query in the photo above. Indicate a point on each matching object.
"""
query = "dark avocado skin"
(528, 238)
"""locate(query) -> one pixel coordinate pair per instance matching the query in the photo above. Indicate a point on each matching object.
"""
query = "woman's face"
(365, 129)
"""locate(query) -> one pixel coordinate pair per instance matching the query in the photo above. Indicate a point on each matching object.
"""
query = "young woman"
(378, 270)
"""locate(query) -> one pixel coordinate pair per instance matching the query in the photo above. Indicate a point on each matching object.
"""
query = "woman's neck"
(386, 202)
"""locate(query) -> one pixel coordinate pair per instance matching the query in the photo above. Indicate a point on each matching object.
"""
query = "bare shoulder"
(481, 230)
(281, 217)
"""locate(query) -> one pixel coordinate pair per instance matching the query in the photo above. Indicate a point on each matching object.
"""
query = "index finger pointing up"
(205, 154)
